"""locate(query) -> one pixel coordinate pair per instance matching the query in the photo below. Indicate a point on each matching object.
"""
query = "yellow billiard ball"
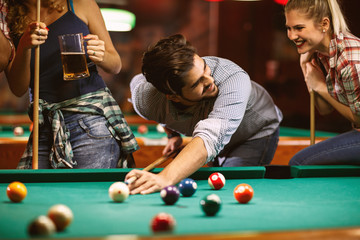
(16, 191)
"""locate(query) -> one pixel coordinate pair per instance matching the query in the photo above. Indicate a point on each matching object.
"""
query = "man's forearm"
(188, 161)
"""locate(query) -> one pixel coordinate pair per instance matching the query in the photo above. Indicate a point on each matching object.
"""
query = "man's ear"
(173, 97)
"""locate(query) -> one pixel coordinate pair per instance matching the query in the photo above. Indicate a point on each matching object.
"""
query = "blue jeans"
(256, 152)
(92, 143)
(343, 149)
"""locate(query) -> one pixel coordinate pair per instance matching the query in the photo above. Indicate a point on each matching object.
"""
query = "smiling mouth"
(209, 88)
(299, 43)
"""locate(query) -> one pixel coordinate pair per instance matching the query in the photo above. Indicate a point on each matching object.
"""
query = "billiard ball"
(160, 129)
(163, 222)
(41, 226)
(170, 195)
(216, 180)
(142, 129)
(18, 131)
(118, 191)
(243, 193)
(16, 191)
(187, 187)
(61, 215)
(210, 204)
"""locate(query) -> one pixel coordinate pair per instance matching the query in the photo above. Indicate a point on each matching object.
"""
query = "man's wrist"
(173, 134)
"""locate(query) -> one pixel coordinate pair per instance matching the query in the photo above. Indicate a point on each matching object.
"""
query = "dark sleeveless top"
(52, 87)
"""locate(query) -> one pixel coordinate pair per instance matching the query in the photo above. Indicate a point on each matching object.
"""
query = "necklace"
(52, 5)
(57, 6)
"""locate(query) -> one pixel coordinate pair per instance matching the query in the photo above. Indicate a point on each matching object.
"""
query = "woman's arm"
(315, 80)
(99, 40)
(5, 52)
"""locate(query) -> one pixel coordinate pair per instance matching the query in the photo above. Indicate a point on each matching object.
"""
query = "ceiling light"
(118, 20)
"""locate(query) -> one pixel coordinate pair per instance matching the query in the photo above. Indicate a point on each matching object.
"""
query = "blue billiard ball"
(170, 194)
(187, 187)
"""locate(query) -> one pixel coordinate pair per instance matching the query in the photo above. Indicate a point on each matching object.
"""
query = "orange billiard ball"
(243, 193)
(16, 191)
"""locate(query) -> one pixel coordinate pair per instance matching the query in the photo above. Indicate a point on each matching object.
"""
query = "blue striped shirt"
(242, 111)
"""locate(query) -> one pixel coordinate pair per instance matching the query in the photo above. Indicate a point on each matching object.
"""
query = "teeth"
(298, 43)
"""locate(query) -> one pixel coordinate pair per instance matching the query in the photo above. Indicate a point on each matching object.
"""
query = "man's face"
(199, 84)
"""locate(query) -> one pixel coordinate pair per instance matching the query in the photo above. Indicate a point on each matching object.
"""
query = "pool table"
(151, 144)
(312, 202)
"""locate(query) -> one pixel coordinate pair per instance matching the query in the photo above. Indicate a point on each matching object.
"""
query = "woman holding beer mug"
(80, 124)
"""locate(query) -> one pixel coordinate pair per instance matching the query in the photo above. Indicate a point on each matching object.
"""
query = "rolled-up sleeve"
(228, 111)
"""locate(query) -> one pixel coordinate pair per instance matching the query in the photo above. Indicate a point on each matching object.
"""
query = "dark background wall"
(252, 34)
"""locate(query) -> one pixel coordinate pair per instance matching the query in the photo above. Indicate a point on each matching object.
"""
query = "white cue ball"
(160, 128)
(118, 191)
(61, 215)
(18, 131)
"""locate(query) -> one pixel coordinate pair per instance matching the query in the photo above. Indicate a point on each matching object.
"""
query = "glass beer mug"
(73, 56)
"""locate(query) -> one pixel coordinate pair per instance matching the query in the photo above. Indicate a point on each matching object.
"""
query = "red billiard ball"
(18, 131)
(142, 129)
(16, 191)
(61, 215)
(163, 222)
(243, 193)
(216, 180)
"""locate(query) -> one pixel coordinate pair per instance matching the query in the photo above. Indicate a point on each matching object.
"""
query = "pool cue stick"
(312, 117)
(152, 166)
(35, 132)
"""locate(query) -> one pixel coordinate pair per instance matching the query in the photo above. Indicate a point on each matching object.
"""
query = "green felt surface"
(277, 205)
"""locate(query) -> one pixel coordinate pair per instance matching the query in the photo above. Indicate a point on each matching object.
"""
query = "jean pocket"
(95, 127)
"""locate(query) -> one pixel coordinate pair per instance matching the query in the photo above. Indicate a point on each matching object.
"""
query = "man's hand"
(172, 145)
(146, 182)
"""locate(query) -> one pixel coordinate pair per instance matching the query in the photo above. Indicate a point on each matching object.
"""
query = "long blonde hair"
(318, 9)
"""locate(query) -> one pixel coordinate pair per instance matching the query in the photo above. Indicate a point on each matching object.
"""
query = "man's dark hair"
(167, 62)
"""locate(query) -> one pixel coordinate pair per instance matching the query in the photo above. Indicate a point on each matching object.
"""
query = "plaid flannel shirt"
(343, 70)
(99, 102)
